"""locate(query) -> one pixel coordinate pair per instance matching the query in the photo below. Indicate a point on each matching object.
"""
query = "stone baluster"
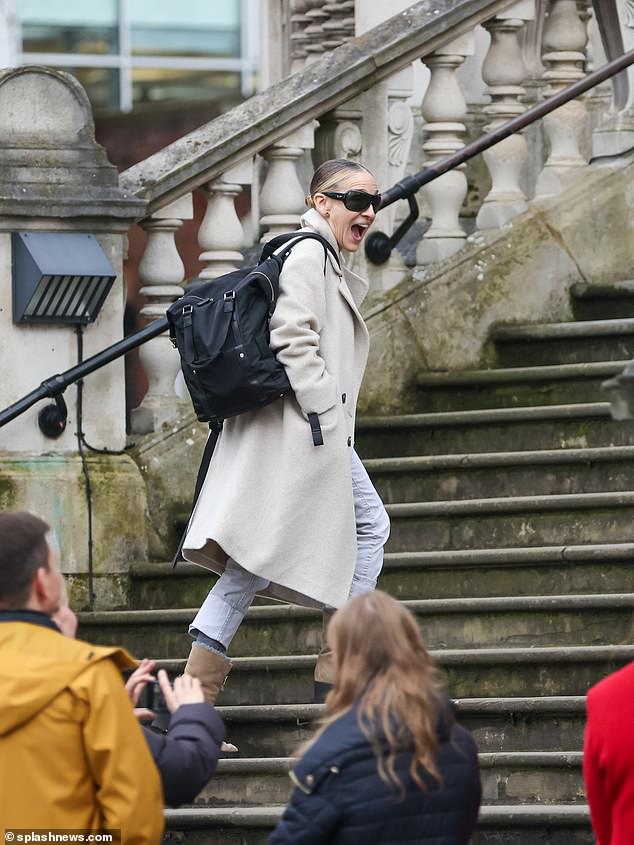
(584, 8)
(335, 31)
(348, 22)
(504, 73)
(299, 22)
(314, 32)
(221, 235)
(282, 198)
(565, 37)
(598, 99)
(444, 109)
(162, 273)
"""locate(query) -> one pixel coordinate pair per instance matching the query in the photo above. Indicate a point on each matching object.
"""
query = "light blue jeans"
(224, 608)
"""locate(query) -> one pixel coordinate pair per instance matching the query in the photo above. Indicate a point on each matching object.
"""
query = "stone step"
(564, 343)
(549, 824)
(462, 390)
(579, 425)
(555, 723)
(520, 473)
(445, 623)
(481, 672)
(496, 522)
(540, 570)
(603, 302)
(517, 777)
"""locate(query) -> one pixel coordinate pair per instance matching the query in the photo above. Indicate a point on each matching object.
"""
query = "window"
(129, 52)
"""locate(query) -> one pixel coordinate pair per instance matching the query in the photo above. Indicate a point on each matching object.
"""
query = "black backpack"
(221, 330)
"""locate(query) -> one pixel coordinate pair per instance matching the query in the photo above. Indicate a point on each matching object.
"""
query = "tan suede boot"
(324, 668)
(212, 670)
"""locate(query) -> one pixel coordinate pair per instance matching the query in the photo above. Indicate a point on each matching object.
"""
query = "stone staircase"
(511, 494)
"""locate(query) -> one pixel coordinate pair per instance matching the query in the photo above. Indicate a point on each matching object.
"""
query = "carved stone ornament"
(400, 127)
(348, 141)
(628, 13)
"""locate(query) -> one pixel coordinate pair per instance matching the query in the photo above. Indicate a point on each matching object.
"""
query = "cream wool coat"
(281, 507)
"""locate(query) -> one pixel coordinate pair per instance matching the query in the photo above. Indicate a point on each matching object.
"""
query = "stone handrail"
(254, 125)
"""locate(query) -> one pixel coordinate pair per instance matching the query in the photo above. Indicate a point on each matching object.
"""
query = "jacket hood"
(37, 664)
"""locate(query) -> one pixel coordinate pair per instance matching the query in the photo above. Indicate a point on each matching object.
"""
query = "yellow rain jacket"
(72, 754)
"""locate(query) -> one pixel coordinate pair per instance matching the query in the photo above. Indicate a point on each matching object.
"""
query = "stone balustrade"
(524, 50)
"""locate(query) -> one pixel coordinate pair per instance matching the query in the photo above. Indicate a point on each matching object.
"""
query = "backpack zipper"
(259, 273)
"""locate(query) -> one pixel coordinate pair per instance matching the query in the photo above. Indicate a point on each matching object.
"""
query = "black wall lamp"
(59, 277)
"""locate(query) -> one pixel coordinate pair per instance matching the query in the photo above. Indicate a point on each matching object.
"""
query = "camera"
(156, 703)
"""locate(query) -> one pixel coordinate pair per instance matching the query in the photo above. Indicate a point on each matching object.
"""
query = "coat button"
(350, 441)
(343, 398)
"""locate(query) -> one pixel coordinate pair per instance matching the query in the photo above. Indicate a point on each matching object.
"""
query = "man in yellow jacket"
(72, 754)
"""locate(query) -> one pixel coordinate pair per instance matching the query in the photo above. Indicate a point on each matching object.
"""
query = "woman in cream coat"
(278, 516)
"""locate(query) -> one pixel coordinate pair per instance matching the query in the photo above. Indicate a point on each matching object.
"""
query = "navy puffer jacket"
(187, 755)
(341, 800)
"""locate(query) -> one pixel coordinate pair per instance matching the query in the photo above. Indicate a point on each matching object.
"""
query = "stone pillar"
(378, 131)
(56, 178)
(615, 135)
(162, 272)
(400, 128)
(504, 72)
(444, 109)
(565, 37)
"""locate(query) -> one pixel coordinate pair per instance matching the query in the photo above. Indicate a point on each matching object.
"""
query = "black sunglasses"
(356, 200)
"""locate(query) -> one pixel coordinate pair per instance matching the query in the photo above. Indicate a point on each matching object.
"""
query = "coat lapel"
(352, 287)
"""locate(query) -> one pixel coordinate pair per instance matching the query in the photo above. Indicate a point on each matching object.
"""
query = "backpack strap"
(215, 427)
(291, 239)
(268, 251)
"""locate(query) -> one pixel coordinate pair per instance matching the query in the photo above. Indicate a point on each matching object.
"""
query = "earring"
(326, 214)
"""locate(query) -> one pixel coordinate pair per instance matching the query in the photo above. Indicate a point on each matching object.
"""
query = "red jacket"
(608, 758)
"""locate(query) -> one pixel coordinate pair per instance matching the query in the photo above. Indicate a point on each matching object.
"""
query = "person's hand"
(135, 685)
(186, 690)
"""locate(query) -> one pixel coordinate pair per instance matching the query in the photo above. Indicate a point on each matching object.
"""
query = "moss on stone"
(7, 493)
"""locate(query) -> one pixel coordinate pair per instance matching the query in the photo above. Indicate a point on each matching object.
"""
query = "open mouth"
(358, 231)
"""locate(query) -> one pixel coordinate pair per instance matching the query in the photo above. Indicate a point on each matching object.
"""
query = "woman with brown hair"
(389, 764)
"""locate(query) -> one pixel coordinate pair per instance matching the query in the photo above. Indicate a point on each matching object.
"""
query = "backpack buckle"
(228, 299)
(187, 309)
